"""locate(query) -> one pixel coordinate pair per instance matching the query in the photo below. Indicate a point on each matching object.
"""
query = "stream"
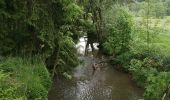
(105, 83)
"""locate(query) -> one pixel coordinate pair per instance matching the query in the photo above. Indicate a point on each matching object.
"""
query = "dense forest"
(38, 42)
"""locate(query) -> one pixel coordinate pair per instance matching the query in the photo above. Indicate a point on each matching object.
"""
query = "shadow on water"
(104, 84)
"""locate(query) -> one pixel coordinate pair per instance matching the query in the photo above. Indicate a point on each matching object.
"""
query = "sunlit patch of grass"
(162, 40)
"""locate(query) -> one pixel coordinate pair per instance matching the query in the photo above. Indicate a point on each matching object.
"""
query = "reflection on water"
(105, 84)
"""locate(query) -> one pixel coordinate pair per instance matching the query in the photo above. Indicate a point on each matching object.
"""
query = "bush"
(166, 64)
(156, 86)
(124, 60)
(118, 40)
(156, 55)
(141, 70)
(147, 73)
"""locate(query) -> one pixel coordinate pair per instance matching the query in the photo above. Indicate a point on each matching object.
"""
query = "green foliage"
(168, 7)
(157, 85)
(147, 69)
(119, 38)
(38, 27)
(68, 57)
(124, 60)
(151, 8)
(28, 78)
(8, 88)
(147, 56)
(142, 69)
(51, 28)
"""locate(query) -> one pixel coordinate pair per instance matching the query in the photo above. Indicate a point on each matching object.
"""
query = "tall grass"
(28, 75)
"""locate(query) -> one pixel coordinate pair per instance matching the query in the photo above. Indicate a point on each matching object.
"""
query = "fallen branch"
(167, 91)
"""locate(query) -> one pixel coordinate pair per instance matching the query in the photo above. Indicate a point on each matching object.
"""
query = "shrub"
(124, 59)
(118, 40)
(142, 69)
(156, 86)
(166, 64)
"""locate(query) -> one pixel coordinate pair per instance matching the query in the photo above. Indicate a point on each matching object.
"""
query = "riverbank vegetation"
(37, 42)
(23, 78)
(36, 36)
(142, 48)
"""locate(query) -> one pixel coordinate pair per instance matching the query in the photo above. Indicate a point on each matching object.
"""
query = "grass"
(27, 79)
(162, 26)
(164, 43)
(164, 37)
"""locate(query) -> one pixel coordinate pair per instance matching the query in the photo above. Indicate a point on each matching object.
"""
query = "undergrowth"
(23, 79)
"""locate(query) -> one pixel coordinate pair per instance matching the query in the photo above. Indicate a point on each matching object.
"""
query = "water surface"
(105, 84)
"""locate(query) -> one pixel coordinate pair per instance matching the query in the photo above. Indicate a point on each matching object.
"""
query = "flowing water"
(105, 83)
